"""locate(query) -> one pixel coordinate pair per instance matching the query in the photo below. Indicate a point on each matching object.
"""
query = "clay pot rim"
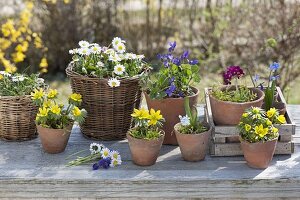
(260, 142)
(244, 103)
(142, 139)
(177, 131)
(59, 129)
(196, 91)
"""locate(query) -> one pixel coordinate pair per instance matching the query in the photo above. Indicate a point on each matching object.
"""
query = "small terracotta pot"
(171, 108)
(258, 155)
(144, 152)
(193, 147)
(230, 113)
(54, 140)
(280, 106)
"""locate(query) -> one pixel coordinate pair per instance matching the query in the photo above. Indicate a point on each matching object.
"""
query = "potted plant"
(192, 135)
(271, 94)
(258, 135)
(54, 121)
(108, 80)
(146, 138)
(17, 111)
(166, 90)
(229, 102)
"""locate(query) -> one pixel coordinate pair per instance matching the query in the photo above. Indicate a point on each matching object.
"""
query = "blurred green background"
(219, 33)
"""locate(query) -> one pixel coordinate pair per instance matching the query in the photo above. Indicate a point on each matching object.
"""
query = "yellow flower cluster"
(152, 117)
(16, 38)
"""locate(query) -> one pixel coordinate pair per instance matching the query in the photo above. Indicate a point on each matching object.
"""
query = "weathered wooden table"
(27, 172)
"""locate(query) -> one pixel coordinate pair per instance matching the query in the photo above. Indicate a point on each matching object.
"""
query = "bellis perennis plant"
(174, 79)
(256, 125)
(147, 124)
(189, 124)
(19, 84)
(105, 157)
(54, 115)
(112, 62)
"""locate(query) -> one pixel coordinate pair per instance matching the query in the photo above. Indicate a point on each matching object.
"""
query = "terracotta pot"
(230, 113)
(144, 152)
(171, 108)
(258, 155)
(193, 147)
(280, 106)
(54, 140)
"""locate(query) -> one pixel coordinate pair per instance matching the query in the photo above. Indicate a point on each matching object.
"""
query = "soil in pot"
(193, 147)
(230, 113)
(54, 140)
(144, 152)
(171, 108)
(258, 155)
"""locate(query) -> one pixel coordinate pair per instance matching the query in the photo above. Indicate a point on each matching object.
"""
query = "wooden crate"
(224, 138)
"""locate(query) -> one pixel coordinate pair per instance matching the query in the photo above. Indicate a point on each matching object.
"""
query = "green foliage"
(243, 94)
(19, 84)
(140, 133)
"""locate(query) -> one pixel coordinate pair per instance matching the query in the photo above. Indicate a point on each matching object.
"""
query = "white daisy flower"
(4, 73)
(109, 52)
(100, 64)
(40, 80)
(120, 48)
(115, 162)
(84, 51)
(130, 56)
(113, 82)
(73, 51)
(140, 57)
(114, 58)
(116, 41)
(19, 78)
(95, 148)
(115, 155)
(119, 69)
(185, 120)
(95, 49)
(105, 153)
(84, 44)
(104, 48)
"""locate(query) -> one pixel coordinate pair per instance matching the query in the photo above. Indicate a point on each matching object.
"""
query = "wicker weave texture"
(109, 109)
(17, 118)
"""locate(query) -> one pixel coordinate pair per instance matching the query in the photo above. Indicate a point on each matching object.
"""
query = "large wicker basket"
(109, 109)
(17, 118)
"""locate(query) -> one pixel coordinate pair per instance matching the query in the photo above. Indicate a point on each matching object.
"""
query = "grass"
(291, 94)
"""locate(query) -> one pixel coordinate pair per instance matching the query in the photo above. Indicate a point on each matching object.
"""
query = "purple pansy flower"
(171, 90)
(193, 62)
(172, 46)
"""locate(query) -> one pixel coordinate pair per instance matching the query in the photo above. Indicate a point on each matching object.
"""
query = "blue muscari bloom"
(185, 55)
(170, 90)
(104, 162)
(172, 46)
(256, 77)
(176, 61)
(96, 166)
(274, 78)
(193, 62)
(274, 66)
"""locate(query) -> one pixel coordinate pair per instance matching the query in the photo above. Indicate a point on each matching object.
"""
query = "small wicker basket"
(109, 109)
(17, 118)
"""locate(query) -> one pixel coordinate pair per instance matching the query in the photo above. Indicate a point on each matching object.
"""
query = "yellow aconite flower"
(269, 123)
(76, 97)
(271, 112)
(52, 94)
(281, 119)
(255, 110)
(247, 127)
(43, 112)
(275, 130)
(1, 76)
(37, 94)
(55, 109)
(47, 104)
(43, 63)
(140, 114)
(261, 131)
(18, 56)
(245, 115)
(154, 117)
(76, 111)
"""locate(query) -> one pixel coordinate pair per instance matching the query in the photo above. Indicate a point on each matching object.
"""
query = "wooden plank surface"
(26, 172)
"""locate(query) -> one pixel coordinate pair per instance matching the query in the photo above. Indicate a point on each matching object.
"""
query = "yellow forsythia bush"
(17, 37)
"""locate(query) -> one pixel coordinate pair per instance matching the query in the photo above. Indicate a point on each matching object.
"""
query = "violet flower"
(170, 90)
(176, 61)
(193, 62)
(172, 46)
(185, 55)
